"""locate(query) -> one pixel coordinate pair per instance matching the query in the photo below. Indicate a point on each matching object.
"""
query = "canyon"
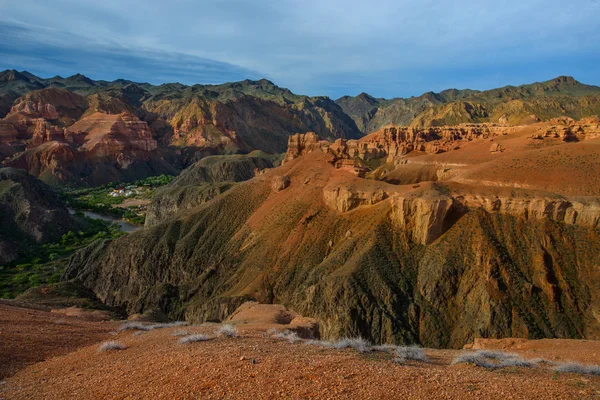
(353, 234)
(475, 216)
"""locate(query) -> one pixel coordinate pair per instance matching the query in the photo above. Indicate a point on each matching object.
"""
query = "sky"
(386, 48)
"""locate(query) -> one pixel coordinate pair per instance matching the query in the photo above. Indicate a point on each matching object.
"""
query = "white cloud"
(299, 43)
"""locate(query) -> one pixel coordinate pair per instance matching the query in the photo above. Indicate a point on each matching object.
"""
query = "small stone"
(280, 182)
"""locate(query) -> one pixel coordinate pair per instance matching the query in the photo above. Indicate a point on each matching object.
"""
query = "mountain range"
(81, 131)
(514, 105)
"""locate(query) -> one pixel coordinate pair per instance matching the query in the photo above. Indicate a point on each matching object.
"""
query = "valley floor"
(64, 362)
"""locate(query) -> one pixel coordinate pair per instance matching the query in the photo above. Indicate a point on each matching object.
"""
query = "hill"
(510, 105)
(204, 180)
(29, 212)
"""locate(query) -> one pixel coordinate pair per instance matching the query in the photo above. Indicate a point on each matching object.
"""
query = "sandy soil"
(29, 335)
(156, 365)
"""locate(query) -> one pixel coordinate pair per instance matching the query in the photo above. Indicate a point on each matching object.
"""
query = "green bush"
(46, 263)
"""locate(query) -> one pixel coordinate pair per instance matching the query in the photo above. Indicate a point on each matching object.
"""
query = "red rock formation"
(35, 109)
(569, 130)
(397, 141)
(51, 159)
(112, 135)
(353, 166)
(51, 104)
(43, 131)
(394, 142)
(303, 143)
(390, 142)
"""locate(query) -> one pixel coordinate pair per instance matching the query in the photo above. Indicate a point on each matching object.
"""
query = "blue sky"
(317, 47)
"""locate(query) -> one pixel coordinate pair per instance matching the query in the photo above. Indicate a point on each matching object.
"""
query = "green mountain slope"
(515, 104)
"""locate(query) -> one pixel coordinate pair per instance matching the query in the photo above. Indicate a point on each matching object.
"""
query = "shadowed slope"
(387, 262)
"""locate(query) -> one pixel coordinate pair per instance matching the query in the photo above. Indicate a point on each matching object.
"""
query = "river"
(125, 226)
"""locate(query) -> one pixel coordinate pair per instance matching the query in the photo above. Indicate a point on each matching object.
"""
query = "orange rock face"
(570, 130)
(393, 142)
(301, 144)
(51, 104)
(43, 131)
(38, 109)
(111, 135)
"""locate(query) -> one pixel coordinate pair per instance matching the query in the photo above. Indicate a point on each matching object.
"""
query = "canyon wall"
(402, 264)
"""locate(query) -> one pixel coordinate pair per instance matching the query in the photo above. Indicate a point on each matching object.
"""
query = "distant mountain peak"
(81, 78)
(262, 81)
(11, 75)
(265, 81)
(565, 80)
(364, 95)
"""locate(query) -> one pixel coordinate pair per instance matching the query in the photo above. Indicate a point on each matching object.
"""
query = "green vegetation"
(46, 263)
(155, 181)
(106, 199)
(135, 215)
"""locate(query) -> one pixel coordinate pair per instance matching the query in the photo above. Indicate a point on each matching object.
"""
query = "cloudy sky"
(388, 48)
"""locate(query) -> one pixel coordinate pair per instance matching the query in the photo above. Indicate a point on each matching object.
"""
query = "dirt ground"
(253, 365)
(132, 203)
(30, 335)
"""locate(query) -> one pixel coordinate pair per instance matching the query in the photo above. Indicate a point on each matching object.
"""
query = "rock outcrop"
(392, 144)
(584, 212)
(569, 130)
(106, 135)
(300, 144)
(51, 104)
(421, 217)
(344, 197)
(280, 182)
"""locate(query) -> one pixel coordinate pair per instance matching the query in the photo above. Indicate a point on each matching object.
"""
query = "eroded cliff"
(425, 263)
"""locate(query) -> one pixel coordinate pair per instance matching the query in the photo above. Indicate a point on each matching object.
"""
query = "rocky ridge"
(190, 122)
(510, 105)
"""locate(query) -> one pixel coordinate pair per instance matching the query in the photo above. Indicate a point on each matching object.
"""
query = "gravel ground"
(155, 365)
